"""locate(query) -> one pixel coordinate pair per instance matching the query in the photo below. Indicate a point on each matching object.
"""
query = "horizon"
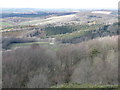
(61, 4)
(65, 8)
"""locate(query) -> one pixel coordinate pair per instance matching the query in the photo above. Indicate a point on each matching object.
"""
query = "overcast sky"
(97, 4)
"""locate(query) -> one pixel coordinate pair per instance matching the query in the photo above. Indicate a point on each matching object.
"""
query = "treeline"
(95, 62)
(54, 30)
(32, 15)
(58, 30)
(106, 30)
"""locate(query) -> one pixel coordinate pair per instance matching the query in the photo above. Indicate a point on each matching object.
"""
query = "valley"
(45, 48)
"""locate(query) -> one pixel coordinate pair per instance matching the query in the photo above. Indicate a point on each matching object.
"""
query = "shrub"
(23, 63)
(38, 81)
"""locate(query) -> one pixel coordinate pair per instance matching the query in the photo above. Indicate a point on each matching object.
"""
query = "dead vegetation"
(94, 61)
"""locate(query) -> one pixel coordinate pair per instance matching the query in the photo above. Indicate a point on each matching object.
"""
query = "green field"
(30, 22)
(26, 44)
(5, 24)
(54, 47)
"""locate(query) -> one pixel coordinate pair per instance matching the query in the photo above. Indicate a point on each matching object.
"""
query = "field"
(26, 44)
(5, 24)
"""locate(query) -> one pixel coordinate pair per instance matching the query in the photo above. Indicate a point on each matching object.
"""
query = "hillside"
(92, 62)
(59, 48)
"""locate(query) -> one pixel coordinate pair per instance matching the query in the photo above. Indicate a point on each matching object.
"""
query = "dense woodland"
(95, 61)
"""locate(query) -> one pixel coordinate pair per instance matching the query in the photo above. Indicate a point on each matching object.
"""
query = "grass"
(5, 24)
(76, 85)
(30, 22)
(13, 33)
(26, 44)
(34, 22)
(54, 47)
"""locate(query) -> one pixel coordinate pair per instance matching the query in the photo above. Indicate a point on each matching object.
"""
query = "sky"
(82, 4)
